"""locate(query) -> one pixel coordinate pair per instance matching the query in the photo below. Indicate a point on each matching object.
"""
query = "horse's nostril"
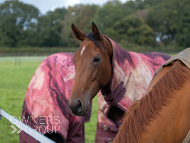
(75, 106)
(79, 106)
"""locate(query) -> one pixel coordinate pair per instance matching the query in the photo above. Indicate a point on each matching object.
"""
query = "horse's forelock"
(93, 39)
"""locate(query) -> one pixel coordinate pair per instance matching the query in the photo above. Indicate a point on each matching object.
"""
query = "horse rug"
(183, 56)
(46, 102)
(133, 72)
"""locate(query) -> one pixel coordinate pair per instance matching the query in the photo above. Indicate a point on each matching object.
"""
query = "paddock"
(14, 80)
(15, 75)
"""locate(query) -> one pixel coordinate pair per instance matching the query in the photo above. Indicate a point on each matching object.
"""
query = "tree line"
(138, 22)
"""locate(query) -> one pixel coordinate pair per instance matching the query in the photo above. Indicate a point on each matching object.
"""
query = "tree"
(52, 19)
(80, 15)
(162, 20)
(49, 28)
(170, 20)
(182, 37)
(15, 18)
(109, 13)
(129, 8)
(133, 30)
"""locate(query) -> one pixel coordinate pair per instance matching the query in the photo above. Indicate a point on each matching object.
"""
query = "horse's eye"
(97, 59)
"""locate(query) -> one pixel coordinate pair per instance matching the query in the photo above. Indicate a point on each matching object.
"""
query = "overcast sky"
(46, 5)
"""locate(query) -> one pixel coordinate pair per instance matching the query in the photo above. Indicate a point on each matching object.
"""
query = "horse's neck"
(108, 48)
(109, 52)
(171, 124)
(114, 113)
(172, 121)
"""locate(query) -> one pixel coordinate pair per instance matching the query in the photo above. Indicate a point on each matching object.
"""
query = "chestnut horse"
(162, 115)
(101, 64)
(93, 67)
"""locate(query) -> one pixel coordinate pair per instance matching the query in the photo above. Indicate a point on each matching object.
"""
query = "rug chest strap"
(114, 97)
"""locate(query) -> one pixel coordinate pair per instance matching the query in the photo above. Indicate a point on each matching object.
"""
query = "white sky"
(47, 5)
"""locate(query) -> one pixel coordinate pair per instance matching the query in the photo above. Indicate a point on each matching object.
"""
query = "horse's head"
(92, 66)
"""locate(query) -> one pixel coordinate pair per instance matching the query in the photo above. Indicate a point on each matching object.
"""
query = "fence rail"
(50, 53)
(24, 54)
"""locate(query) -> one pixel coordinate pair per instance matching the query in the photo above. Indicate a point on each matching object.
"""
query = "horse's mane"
(143, 111)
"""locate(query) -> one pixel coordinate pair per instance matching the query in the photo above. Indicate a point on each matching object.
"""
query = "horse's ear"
(96, 32)
(78, 33)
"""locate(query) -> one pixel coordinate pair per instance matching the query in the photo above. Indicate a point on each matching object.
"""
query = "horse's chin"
(83, 112)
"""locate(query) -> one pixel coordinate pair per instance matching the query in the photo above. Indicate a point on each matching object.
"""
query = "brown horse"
(122, 76)
(163, 114)
(94, 68)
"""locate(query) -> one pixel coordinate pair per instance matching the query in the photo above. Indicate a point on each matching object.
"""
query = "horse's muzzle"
(77, 108)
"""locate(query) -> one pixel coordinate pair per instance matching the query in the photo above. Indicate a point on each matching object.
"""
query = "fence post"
(15, 59)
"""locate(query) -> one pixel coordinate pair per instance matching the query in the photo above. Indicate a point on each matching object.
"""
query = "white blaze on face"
(82, 50)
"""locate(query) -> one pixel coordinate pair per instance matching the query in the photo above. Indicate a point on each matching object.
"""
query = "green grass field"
(14, 80)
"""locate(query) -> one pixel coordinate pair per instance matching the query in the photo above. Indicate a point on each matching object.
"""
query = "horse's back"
(157, 57)
(183, 57)
(158, 54)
